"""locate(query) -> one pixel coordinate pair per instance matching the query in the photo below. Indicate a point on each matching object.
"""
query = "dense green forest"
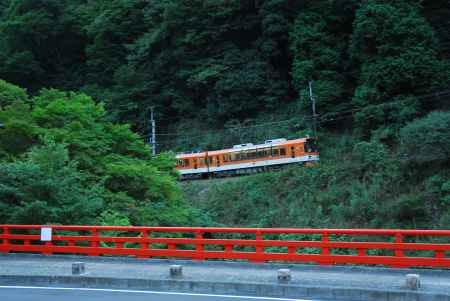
(79, 77)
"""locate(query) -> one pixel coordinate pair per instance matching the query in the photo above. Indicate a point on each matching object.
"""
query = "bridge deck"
(434, 281)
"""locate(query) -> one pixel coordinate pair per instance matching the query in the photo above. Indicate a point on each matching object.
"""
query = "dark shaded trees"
(427, 139)
(42, 44)
(396, 52)
(216, 61)
(319, 42)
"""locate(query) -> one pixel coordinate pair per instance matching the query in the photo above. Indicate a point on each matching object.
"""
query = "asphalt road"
(76, 294)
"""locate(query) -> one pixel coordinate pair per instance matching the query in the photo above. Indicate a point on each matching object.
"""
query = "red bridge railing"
(395, 248)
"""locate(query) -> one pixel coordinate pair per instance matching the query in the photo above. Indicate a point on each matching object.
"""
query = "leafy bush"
(70, 164)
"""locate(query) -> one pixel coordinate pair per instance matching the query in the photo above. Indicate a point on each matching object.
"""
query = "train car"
(247, 158)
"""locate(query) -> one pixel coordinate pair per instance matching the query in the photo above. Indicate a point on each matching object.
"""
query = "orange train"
(247, 158)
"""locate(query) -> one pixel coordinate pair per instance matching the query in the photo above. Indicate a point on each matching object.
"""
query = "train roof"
(278, 142)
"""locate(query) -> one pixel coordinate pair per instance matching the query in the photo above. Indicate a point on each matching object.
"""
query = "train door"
(293, 151)
(207, 162)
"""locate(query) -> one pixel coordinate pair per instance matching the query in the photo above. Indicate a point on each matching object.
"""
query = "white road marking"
(147, 292)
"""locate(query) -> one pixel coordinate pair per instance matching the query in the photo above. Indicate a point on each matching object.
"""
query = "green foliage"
(91, 170)
(20, 131)
(214, 69)
(317, 49)
(42, 43)
(216, 61)
(360, 185)
(46, 187)
(10, 94)
(371, 155)
(396, 54)
(427, 139)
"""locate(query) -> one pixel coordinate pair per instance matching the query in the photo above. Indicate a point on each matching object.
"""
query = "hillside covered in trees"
(223, 72)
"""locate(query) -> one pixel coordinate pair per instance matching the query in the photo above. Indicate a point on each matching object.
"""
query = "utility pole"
(153, 131)
(313, 102)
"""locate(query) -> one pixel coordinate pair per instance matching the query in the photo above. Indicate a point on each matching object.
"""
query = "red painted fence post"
(325, 250)
(199, 246)
(94, 243)
(259, 250)
(398, 240)
(144, 245)
(399, 252)
(5, 240)
(361, 252)
(439, 254)
(228, 249)
(47, 248)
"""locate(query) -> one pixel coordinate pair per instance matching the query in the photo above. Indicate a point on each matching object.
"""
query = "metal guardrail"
(394, 248)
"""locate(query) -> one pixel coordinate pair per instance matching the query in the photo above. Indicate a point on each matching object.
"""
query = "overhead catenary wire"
(168, 140)
(184, 137)
(239, 127)
(202, 133)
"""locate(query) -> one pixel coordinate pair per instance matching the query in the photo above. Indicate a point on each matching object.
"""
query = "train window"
(282, 151)
(261, 153)
(251, 154)
(183, 162)
(235, 157)
(241, 156)
(275, 152)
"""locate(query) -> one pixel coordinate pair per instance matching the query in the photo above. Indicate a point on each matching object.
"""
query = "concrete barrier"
(244, 289)
(284, 275)
(413, 282)
(78, 268)
(176, 271)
